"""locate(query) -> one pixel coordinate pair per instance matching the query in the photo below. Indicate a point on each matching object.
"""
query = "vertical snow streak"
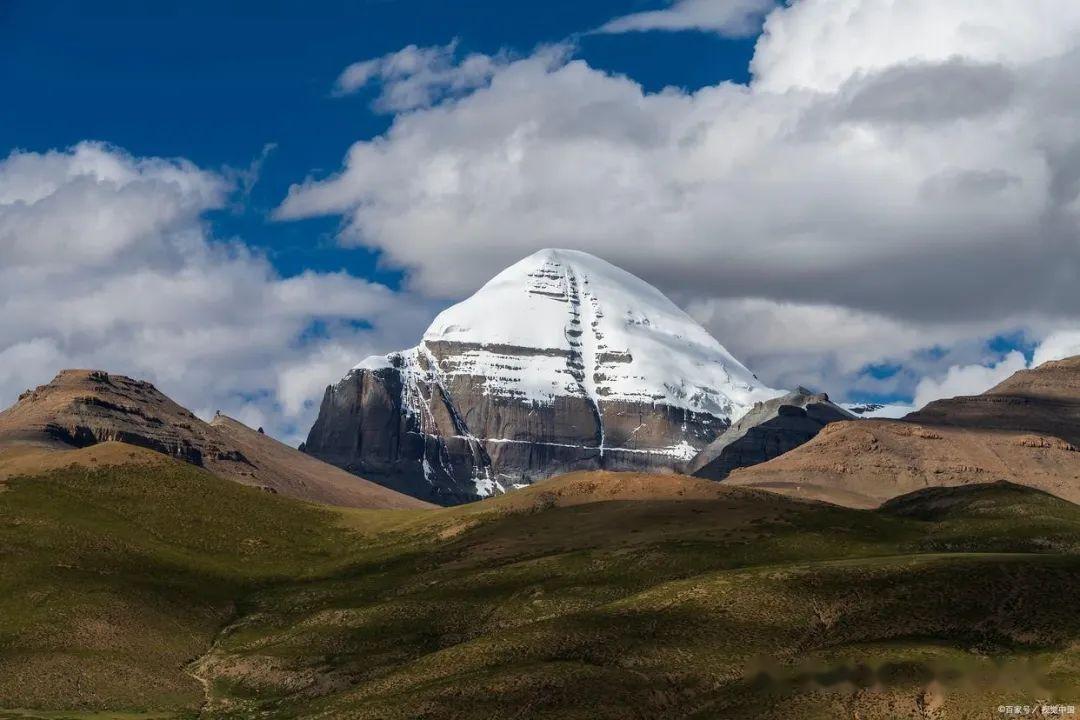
(648, 349)
(418, 406)
(415, 377)
(582, 336)
(485, 484)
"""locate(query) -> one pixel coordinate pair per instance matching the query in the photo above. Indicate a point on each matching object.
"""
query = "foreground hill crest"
(560, 362)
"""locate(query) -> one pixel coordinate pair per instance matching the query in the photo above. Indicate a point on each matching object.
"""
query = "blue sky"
(217, 82)
(184, 196)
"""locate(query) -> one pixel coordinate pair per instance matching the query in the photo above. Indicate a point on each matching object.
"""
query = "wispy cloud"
(732, 18)
(417, 77)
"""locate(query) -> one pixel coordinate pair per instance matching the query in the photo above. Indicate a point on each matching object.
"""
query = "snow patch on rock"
(373, 362)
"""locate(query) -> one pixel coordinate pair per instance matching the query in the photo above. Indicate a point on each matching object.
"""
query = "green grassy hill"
(113, 579)
(161, 589)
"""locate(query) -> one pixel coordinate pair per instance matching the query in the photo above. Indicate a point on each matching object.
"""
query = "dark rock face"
(413, 442)
(768, 430)
(85, 407)
(1026, 431)
(448, 441)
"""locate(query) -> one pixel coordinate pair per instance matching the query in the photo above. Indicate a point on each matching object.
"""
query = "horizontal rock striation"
(1023, 431)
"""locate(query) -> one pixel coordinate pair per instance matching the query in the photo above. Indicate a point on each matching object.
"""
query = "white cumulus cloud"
(1057, 346)
(820, 44)
(106, 262)
(968, 379)
(904, 174)
(977, 378)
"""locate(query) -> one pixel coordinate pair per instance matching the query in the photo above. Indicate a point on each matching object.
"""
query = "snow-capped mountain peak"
(560, 362)
(632, 343)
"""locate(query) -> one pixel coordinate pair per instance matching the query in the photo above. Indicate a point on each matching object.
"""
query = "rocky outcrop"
(387, 425)
(81, 408)
(560, 363)
(770, 429)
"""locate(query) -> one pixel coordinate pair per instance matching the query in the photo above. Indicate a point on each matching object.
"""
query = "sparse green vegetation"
(165, 590)
(112, 580)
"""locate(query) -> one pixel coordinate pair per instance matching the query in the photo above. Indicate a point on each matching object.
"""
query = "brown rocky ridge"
(84, 408)
(1026, 430)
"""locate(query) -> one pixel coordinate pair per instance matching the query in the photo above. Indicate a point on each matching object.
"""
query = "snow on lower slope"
(634, 344)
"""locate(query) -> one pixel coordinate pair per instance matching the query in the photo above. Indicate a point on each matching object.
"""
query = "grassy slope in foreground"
(112, 579)
(589, 596)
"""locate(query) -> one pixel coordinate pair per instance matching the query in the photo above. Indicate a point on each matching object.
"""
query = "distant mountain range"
(1025, 430)
(564, 362)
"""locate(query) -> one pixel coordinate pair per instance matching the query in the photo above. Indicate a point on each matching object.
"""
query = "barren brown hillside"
(82, 408)
(299, 475)
(1025, 430)
(1043, 400)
